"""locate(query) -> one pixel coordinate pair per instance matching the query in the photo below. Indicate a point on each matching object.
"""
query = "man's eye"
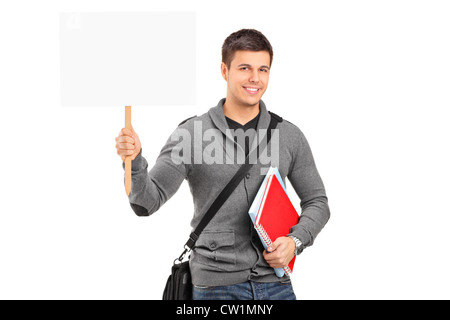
(244, 68)
(264, 70)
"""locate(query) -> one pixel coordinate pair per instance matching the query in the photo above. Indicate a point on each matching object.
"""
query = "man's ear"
(224, 70)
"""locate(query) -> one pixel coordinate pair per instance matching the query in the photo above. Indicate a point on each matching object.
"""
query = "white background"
(367, 82)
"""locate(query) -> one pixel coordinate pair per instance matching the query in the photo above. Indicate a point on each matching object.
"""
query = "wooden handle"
(128, 158)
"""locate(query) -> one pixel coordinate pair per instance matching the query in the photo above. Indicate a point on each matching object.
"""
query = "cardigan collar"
(218, 117)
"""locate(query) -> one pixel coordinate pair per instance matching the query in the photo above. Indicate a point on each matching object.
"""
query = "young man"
(229, 261)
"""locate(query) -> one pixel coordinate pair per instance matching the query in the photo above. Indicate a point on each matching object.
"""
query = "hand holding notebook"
(273, 214)
(280, 252)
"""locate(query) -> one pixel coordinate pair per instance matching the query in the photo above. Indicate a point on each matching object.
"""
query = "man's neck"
(240, 113)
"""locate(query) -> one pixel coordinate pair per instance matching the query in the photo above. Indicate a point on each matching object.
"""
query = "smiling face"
(247, 77)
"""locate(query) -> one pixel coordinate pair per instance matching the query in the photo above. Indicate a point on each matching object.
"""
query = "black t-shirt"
(249, 125)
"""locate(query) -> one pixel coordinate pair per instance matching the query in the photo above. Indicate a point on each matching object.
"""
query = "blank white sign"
(125, 58)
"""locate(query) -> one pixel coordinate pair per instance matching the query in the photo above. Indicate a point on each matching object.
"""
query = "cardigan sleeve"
(308, 185)
(151, 189)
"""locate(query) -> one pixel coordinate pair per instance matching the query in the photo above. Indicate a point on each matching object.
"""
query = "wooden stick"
(128, 158)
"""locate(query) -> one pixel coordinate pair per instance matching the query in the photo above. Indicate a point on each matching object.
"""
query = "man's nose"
(254, 77)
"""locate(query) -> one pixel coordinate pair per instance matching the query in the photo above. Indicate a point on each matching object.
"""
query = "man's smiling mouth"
(251, 90)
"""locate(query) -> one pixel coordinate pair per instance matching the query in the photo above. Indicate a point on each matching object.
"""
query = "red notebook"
(276, 216)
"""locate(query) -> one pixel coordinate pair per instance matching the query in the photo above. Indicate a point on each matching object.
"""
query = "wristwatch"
(298, 245)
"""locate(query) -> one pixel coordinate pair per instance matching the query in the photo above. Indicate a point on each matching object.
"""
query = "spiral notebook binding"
(264, 235)
(287, 270)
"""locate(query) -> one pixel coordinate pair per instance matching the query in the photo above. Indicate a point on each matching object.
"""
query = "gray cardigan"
(229, 250)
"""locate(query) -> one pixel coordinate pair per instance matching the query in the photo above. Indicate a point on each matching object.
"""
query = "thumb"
(273, 246)
(133, 132)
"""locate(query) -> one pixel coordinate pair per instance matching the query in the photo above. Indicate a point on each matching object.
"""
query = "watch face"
(299, 247)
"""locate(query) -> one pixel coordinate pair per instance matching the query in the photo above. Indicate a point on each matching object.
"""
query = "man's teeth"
(252, 89)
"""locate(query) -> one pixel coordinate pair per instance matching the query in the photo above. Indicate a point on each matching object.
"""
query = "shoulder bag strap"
(226, 192)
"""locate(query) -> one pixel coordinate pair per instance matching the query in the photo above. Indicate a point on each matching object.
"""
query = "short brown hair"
(245, 39)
